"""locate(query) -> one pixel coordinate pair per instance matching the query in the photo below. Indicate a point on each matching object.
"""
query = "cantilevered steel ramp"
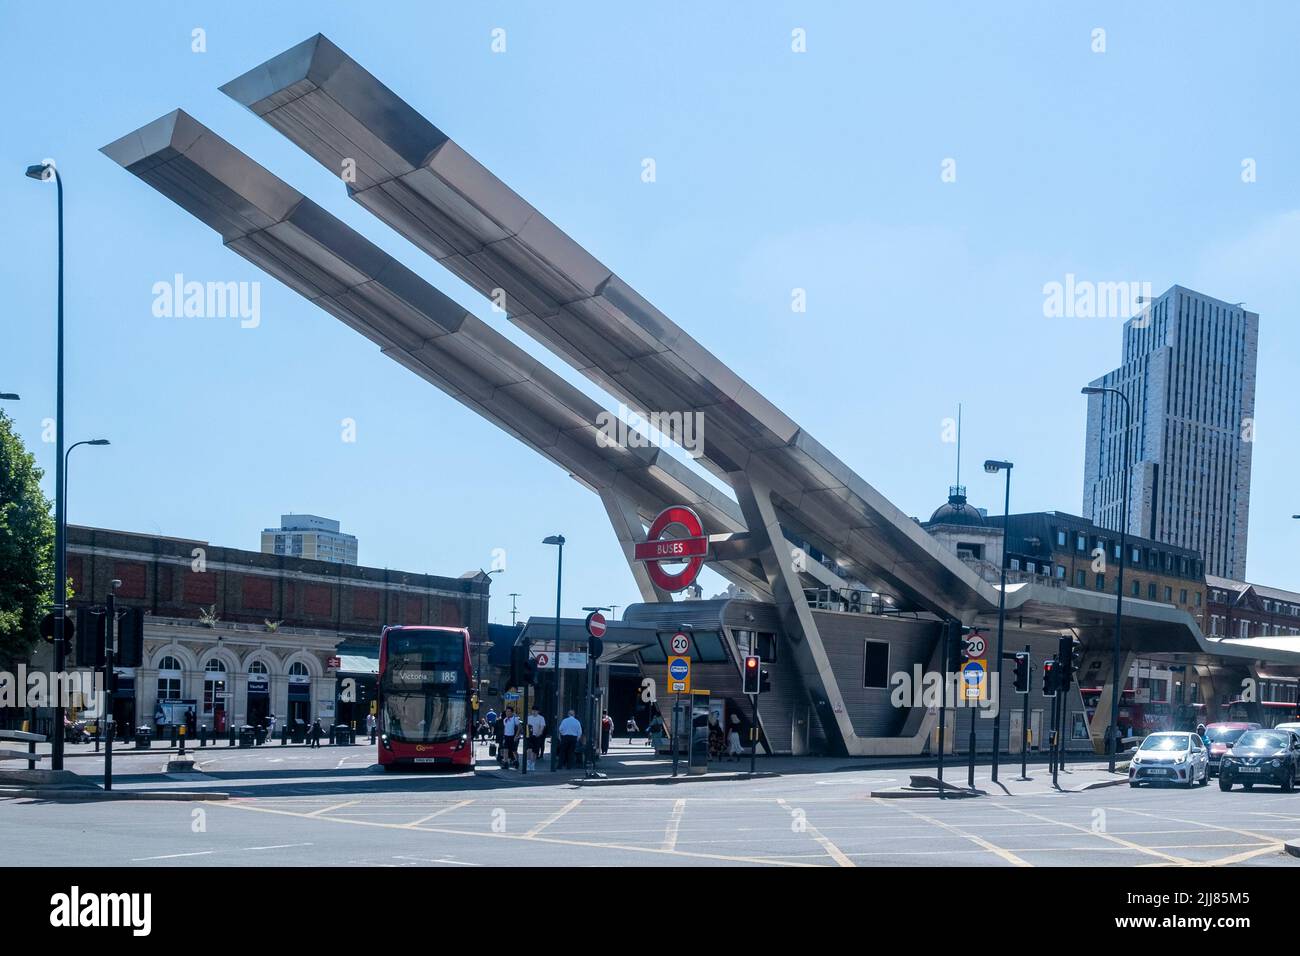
(417, 179)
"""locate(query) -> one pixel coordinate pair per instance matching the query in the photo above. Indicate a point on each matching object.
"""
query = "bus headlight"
(383, 739)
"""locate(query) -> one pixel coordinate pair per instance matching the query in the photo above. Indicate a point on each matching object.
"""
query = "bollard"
(99, 730)
(331, 733)
(284, 736)
(232, 736)
(181, 737)
(203, 735)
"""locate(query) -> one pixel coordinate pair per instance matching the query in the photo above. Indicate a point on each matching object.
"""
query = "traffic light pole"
(970, 771)
(753, 734)
(110, 647)
(943, 698)
(1056, 736)
(1024, 721)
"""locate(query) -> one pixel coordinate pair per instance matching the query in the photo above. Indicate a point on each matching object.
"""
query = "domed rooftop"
(957, 511)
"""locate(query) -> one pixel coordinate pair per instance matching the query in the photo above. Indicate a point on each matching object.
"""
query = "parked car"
(1262, 756)
(1293, 727)
(1170, 757)
(1220, 737)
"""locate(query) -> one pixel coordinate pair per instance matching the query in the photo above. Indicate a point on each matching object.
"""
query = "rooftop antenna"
(959, 446)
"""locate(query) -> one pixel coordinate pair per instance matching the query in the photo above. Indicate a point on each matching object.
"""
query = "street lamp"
(993, 466)
(1112, 732)
(558, 541)
(8, 396)
(46, 171)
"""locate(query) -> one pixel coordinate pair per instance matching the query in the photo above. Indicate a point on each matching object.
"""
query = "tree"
(26, 548)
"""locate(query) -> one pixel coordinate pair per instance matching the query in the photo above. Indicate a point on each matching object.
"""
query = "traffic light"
(764, 680)
(90, 630)
(1068, 660)
(130, 638)
(956, 645)
(519, 665)
(1022, 672)
(1049, 678)
(749, 681)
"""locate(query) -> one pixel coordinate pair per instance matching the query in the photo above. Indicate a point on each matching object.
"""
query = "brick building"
(241, 634)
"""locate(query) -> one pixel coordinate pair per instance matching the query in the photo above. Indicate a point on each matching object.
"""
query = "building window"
(1060, 539)
(1151, 591)
(1137, 556)
(299, 670)
(1137, 592)
(1101, 582)
(1198, 598)
(169, 679)
(1169, 594)
(257, 667)
(1182, 596)
(1080, 543)
(1015, 566)
(875, 670)
(214, 686)
(1079, 579)
(1060, 571)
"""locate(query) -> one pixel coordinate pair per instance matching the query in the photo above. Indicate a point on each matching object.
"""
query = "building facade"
(1188, 372)
(240, 635)
(1241, 610)
(311, 537)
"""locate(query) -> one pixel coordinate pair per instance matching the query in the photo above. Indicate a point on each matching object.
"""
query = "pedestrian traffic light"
(130, 638)
(1022, 672)
(1049, 678)
(90, 631)
(764, 680)
(519, 664)
(750, 677)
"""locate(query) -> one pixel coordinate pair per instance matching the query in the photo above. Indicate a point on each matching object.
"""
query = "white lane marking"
(278, 846)
(674, 824)
(172, 856)
(834, 852)
(438, 813)
(425, 859)
(552, 818)
(337, 806)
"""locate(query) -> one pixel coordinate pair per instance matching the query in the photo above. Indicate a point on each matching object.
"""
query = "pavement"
(334, 807)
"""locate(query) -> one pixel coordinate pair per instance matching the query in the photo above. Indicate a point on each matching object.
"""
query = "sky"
(920, 170)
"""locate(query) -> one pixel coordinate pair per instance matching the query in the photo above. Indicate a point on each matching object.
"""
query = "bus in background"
(424, 698)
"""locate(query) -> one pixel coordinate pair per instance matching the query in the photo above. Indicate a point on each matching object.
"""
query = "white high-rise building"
(310, 536)
(1189, 373)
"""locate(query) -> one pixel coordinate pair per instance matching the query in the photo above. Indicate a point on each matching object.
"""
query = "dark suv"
(1262, 756)
(1220, 736)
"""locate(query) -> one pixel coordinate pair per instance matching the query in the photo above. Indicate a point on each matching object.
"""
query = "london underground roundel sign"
(661, 547)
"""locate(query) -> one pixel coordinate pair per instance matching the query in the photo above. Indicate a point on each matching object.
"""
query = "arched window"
(299, 670)
(257, 667)
(214, 687)
(169, 678)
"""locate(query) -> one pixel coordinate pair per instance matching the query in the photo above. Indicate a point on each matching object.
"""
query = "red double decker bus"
(424, 698)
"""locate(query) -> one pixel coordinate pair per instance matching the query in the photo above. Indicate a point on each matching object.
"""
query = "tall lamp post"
(66, 455)
(558, 541)
(993, 466)
(1112, 732)
(44, 171)
(8, 396)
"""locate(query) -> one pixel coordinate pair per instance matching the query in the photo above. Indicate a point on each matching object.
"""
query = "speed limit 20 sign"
(681, 644)
(975, 646)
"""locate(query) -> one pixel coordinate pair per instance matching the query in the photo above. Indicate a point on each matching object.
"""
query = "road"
(331, 807)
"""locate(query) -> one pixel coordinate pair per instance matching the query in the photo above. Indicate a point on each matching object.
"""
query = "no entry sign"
(596, 625)
(659, 547)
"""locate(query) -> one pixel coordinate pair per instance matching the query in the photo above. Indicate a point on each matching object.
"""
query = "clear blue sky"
(775, 170)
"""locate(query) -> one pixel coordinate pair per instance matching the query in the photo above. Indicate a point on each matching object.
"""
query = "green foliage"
(26, 547)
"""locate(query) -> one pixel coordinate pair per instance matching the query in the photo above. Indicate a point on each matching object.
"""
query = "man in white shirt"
(510, 741)
(570, 731)
(536, 734)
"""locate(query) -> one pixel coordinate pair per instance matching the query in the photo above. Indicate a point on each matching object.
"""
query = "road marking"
(278, 846)
(553, 817)
(834, 852)
(338, 806)
(1168, 857)
(977, 840)
(769, 861)
(1248, 854)
(674, 823)
(172, 856)
(1273, 842)
(425, 859)
(438, 813)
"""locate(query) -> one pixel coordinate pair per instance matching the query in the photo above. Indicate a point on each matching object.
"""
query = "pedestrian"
(370, 724)
(570, 731)
(734, 749)
(606, 731)
(491, 717)
(510, 731)
(632, 730)
(316, 731)
(270, 727)
(499, 737)
(655, 732)
(536, 735)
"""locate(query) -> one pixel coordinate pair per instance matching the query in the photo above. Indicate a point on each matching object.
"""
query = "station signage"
(687, 543)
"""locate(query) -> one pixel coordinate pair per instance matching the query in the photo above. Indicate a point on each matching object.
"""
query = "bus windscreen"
(424, 688)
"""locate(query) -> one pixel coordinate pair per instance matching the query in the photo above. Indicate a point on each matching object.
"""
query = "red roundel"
(691, 548)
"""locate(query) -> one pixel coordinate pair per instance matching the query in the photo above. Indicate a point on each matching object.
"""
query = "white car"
(1170, 757)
